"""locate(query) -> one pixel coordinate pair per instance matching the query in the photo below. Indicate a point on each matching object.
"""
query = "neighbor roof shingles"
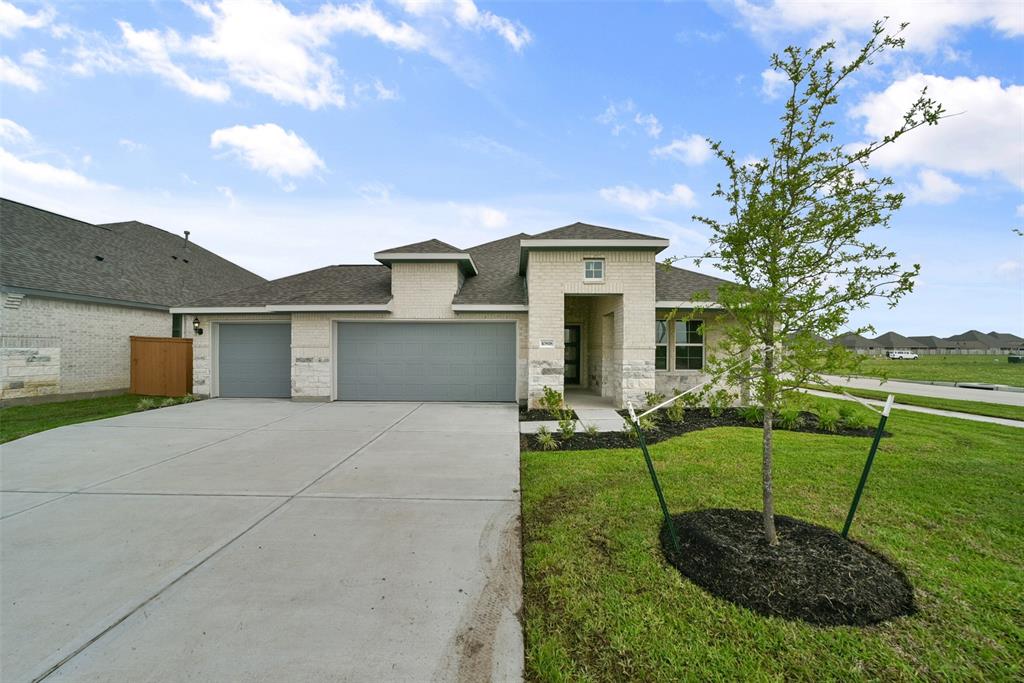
(431, 246)
(586, 231)
(678, 284)
(498, 280)
(341, 285)
(137, 263)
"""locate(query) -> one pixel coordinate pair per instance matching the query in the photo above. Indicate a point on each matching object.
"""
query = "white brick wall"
(91, 339)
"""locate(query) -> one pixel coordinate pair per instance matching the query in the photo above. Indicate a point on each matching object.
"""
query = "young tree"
(794, 242)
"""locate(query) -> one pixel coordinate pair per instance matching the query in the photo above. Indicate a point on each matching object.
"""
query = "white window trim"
(676, 343)
(668, 338)
(594, 259)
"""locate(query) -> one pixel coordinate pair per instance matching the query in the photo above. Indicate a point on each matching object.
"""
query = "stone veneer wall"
(628, 294)
(89, 341)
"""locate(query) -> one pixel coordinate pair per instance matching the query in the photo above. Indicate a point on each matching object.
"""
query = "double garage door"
(378, 361)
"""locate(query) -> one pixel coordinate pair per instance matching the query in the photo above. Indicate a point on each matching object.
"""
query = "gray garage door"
(255, 360)
(427, 361)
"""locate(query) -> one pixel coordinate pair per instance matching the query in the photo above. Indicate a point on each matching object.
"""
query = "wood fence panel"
(161, 366)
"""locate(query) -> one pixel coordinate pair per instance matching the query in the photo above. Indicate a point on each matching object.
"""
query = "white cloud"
(1020, 211)
(17, 75)
(375, 192)
(692, 150)
(933, 188)
(645, 200)
(152, 50)
(383, 92)
(131, 145)
(13, 133)
(468, 15)
(35, 59)
(270, 149)
(984, 137)
(229, 195)
(1010, 268)
(13, 19)
(42, 173)
(773, 83)
(483, 216)
(650, 123)
(932, 24)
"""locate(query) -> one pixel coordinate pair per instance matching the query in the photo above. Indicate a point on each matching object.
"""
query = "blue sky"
(287, 136)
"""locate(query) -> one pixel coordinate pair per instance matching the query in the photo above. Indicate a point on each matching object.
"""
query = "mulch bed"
(537, 415)
(812, 575)
(695, 420)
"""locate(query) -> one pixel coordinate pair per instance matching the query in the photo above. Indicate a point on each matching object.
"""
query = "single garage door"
(254, 360)
(427, 361)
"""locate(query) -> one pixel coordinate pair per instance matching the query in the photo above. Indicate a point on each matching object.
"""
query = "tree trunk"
(768, 511)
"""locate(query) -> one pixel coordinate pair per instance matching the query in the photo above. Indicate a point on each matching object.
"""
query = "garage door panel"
(254, 360)
(426, 361)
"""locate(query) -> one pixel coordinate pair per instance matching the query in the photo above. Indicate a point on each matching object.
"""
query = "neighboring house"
(579, 306)
(1005, 341)
(74, 292)
(894, 341)
(929, 343)
(855, 342)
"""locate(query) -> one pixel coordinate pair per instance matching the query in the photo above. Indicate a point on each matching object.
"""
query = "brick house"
(73, 293)
(580, 306)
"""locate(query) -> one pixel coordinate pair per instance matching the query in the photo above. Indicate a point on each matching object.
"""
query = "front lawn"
(944, 502)
(19, 421)
(985, 369)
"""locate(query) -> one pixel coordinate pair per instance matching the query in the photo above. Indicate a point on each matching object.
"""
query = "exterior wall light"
(195, 325)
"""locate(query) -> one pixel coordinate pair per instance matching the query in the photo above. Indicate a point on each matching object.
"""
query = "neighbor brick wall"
(93, 339)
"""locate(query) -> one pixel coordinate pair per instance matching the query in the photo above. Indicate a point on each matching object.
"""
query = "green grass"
(974, 407)
(989, 369)
(944, 501)
(19, 421)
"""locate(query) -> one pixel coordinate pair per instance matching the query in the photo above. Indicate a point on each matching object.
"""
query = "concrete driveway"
(239, 539)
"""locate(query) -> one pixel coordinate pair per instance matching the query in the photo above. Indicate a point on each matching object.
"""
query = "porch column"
(546, 353)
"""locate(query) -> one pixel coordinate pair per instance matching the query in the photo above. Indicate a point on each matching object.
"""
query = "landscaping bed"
(813, 574)
(697, 419)
(540, 415)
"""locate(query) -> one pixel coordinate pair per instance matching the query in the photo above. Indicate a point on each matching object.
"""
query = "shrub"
(847, 410)
(554, 404)
(718, 401)
(752, 415)
(546, 440)
(828, 419)
(567, 427)
(146, 404)
(653, 398)
(188, 398)
(591, 429)
(790, 418)
(676, 410)
(647, 424)
(856, 420)
(168, 402)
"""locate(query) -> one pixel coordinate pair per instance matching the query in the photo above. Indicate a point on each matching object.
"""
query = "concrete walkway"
(265, 540)
(1007, 398)
(919, 409)
(591, 410)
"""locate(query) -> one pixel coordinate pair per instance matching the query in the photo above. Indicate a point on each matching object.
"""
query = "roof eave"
(464, 260)
(656, 245)
(286, 308)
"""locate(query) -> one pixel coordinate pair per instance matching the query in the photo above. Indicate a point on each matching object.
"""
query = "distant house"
(855, 342)
(891, 341)
(972, 341)
(74, 292)
(929, 343)
(1007, 342)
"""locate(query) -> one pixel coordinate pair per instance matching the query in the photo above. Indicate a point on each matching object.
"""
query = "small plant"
(676, 411)
(567, 427)
(828, 419)
(718, 401)
(647, 424)
(168, 402)
(653, 398)
(856, 420)
(554, 404)
(146, 404)
(546, 440)
(847, 411)
(591, 429)
(188, 398)
(790, 418)
(752, 415)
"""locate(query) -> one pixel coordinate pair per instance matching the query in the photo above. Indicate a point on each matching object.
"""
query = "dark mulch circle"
(812, 575)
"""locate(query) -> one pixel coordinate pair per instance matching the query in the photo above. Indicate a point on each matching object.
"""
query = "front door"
(572, 354)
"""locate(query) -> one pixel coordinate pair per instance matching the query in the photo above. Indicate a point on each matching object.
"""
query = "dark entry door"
(572, 354)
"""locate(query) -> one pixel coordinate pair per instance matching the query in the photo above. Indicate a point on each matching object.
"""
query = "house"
(1005, 341)
(855, 342)
(74, 292)
(581, 306)
(928, 343)
(891, 341)
(972, 341)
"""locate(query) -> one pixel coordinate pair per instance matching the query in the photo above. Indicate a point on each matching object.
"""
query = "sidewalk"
(893, 386)
(918, 409)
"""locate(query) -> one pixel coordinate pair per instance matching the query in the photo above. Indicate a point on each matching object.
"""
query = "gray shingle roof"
(895, 340)
(853, 341)
(498, 280)
(343, 285)
(129, 262)
(928, 342)
(431, 246)
(974, 339)
(585, 231)
(679, 284)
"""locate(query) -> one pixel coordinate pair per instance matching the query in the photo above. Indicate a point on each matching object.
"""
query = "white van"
(902, 355)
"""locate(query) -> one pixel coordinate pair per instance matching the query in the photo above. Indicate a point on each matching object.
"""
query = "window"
(689, 344)
(660, 345)
(593, 269)
(176, 325)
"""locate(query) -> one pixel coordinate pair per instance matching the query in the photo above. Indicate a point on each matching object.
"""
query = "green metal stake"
(657, 484)
(867, 465)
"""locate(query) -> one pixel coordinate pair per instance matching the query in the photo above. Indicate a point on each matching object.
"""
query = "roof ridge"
(101, 226)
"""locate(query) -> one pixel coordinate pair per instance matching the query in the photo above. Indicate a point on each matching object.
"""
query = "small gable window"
(593, 269)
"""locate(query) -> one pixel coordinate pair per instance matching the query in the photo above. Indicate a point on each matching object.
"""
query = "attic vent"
(99, 258)
(174, 257)
(185, 260)
(13, 300)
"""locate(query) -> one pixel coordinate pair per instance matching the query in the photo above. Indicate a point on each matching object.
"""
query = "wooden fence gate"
(161, 366)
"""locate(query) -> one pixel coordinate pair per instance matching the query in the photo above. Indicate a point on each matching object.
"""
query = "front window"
(660, 345)
(593, 269)
(689, 345)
